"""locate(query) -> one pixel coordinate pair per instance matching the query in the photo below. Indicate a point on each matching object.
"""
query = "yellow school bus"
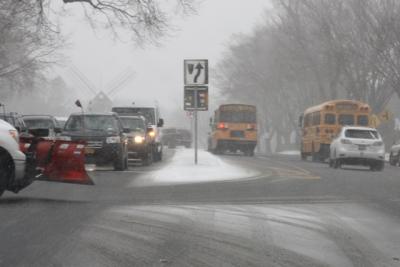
(319, 124)
(233, 128)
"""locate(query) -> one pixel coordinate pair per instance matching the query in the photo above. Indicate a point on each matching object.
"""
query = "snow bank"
(182, 170)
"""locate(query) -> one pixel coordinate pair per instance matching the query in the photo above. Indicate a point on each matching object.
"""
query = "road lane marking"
(286, 173)
(301, 172)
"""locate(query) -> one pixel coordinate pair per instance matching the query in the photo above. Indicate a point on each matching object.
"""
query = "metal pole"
(195, 127)
(83, 119)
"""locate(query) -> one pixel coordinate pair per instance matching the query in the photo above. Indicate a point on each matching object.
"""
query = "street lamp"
(79, 105)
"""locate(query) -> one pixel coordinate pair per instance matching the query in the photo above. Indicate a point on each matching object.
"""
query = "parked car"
(173, 137)
(358, 146)
(139, 141)
(394, 158)
(48, 122)
(15, 120)
(12, 160)
(105, 138)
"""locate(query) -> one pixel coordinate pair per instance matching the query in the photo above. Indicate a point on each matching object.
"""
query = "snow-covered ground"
(182, 170)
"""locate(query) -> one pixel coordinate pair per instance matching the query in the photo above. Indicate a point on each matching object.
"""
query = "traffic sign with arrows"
(196, 71)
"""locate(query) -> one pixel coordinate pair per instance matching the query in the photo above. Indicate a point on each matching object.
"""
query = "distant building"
(100, 103)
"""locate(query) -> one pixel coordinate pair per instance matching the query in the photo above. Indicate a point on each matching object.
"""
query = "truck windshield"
(38, 123)
(134, 124)
(148, 113)
(92, 123)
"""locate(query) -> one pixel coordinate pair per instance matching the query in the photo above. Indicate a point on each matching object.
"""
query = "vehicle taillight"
(251, 127)
(346, 141)
(222, 126)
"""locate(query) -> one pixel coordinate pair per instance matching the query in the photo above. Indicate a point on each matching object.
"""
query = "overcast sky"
(158, 70)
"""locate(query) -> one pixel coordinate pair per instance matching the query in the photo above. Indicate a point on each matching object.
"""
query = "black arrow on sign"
(190, 68)
(199, 67)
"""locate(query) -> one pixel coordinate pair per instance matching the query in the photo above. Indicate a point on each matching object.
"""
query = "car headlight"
(138, 139)
(113, 140)
(152, 134)
(378, 143)
(14, 134)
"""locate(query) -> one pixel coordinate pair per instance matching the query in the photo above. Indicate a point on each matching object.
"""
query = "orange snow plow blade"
(66, 163)
(57, 161)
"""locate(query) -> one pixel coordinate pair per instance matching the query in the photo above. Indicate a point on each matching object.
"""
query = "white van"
(12, 160)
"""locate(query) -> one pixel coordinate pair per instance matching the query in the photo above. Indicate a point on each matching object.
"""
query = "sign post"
(195, 130)
(196, 92)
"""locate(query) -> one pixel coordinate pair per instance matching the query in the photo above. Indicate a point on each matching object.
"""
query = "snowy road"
(283, 212)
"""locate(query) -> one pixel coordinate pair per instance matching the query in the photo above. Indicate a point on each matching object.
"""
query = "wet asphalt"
(291, 213)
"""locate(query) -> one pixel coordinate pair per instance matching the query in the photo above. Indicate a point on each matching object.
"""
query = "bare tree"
(30, 38)
(145, 20)
(26, 44)
(312, 51)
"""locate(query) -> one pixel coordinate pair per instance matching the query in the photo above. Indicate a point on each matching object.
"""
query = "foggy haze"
(158, 71)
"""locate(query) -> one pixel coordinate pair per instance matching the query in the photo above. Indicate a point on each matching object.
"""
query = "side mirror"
(126, 130)
(160, 123)
(18, 128)
(57, 130)
(149, 129)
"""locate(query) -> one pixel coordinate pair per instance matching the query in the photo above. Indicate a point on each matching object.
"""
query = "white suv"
(12, 160)
(358, 146)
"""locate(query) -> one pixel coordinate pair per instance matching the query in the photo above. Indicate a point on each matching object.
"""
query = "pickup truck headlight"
(138, 139)
(152, 134)
(113, 140)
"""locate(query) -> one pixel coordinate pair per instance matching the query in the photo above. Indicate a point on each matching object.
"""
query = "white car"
(394, 158)
(358, 146)
(12, 160)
